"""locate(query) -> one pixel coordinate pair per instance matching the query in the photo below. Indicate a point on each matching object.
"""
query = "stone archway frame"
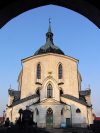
(54, 84)
(11, 9)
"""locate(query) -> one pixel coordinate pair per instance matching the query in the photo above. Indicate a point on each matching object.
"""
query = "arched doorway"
(49, 118)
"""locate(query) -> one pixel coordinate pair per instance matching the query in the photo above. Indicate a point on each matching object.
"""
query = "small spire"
(89, 85)
(49, 30)
(10, 86)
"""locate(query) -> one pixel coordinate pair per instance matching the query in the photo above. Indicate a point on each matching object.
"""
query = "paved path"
(56, 131)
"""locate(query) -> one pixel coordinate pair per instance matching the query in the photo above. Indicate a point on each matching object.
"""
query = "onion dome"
(49, 46)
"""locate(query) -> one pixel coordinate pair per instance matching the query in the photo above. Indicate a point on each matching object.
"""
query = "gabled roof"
(24, 100)
(48, 101)
(51, 101)
(74, 99)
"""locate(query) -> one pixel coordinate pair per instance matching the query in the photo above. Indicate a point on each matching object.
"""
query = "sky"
(73, 33)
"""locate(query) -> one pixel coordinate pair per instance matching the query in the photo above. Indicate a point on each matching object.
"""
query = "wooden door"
(67, 122)
(49, 118)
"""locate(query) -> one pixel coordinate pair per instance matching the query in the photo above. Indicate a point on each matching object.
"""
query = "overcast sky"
(74, 34)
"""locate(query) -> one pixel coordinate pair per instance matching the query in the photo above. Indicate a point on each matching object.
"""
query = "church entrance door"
(49, 118)
(67, 122)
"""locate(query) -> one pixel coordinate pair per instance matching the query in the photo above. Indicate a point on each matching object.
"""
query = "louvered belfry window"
(38, 71)
(60, 71)
(49, 91)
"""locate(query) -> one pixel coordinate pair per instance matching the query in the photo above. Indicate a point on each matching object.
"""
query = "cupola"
(49, 46)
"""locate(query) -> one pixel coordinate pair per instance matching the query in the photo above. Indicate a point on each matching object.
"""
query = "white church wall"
(49, 62)
(9, 111)
(90, 117)
(77, 118)
(41, 118)
(20, 80)
(29, 74)
(79, 81)
(16, 108)
(57, 116)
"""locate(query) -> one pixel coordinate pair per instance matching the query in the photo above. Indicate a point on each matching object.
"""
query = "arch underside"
(88, 8)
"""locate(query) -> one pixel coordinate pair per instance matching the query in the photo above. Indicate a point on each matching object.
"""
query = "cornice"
(49, 54)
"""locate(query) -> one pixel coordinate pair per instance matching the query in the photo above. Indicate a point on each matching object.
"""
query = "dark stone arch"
(12, 8)
(62, 111)
(37, 111)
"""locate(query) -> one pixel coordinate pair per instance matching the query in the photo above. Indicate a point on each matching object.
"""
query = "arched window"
(49, 111)
(37, 112)
(49, 91)
(60, 71)
(78, 110)
(62, 112)
(38, 71)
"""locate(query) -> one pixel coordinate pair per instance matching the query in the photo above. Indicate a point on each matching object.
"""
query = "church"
(50, 87)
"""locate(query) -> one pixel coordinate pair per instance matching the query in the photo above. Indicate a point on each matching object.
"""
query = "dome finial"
(49, 46)
(49, 30)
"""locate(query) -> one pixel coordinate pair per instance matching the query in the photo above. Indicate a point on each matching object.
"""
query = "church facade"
(50, 86)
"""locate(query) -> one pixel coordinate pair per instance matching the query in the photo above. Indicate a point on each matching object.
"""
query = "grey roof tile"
(24, 100)
(74, 99)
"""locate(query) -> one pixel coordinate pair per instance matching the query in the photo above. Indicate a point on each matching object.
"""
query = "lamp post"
(3, 115)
